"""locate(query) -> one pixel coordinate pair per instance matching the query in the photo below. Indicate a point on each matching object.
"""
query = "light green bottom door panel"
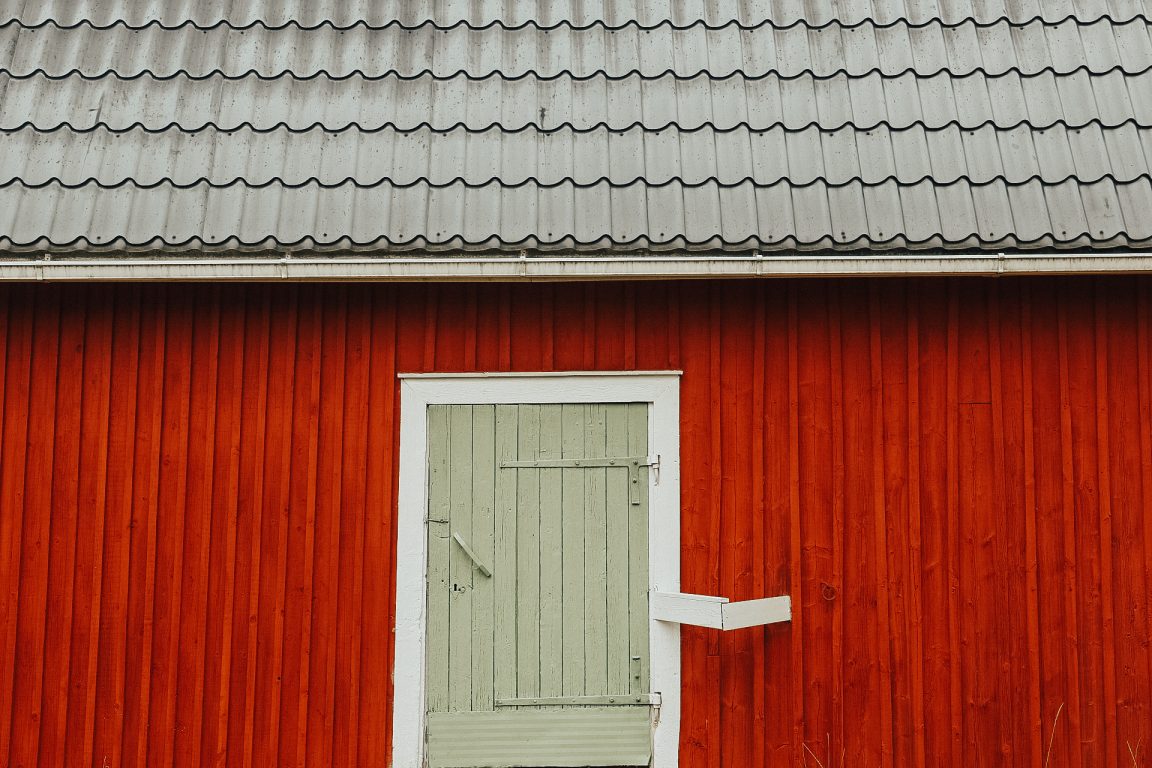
(589, 736)
(537, 585)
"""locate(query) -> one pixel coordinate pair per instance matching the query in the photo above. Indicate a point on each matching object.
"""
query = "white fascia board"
(504, 269)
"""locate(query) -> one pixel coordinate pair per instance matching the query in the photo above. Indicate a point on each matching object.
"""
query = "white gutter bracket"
(719, 612)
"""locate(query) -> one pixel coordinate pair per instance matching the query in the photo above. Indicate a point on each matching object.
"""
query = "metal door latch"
(472, 555)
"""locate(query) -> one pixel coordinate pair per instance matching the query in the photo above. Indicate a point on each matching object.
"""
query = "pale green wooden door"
(537, 602)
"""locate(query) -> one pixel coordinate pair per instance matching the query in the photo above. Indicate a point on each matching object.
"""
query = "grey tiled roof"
(389, 125)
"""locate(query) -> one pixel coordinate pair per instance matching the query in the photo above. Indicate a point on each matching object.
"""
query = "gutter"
(548, 268)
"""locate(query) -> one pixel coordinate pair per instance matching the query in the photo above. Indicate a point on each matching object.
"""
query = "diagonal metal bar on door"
(468, 551)
(631, 463)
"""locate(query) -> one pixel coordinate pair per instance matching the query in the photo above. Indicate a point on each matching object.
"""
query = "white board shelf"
(719, 612)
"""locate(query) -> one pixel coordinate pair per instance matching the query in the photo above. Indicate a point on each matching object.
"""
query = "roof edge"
(538, 268)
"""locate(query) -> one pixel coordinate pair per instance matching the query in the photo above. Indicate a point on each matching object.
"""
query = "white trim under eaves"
(505, 269)
(659, 388)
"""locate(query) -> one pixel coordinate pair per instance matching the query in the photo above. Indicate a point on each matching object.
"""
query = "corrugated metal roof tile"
(580, 13)
(1132, 44)
(621, 157)
(921, 211)
(867, 99)
(408, 104)
(1054, 152)
(1029, 211)
(850, 216)
(1077, 98)
(1135, 203)
(1102, 206)
(993, 211)
(958, 219)
(1007, 99)
(722, 51)
(1018, 154)
(402, 219)
(1066, 210)
(882, 204)
(735, 124)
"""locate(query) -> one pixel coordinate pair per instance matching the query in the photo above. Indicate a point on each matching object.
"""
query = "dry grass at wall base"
(1133, 749)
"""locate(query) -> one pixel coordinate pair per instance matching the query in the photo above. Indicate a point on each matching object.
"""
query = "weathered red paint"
(952, 478)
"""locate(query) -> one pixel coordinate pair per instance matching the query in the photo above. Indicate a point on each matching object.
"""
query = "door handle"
(472, 555)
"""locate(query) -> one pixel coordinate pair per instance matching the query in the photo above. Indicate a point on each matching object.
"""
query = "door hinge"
(631, 463)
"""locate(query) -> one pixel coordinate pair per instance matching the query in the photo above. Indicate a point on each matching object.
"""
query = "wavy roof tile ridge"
(701, 125)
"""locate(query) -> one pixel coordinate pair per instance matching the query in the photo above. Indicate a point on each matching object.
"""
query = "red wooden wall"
(953, 478)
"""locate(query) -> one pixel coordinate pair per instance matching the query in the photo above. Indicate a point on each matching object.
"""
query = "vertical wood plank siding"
(952, 478)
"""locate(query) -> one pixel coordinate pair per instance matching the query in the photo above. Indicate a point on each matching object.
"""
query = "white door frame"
(661, 389)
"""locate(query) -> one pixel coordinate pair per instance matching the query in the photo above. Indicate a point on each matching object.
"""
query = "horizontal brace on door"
(624, 461)
(622, 700)
(631, 463)
(719, 612)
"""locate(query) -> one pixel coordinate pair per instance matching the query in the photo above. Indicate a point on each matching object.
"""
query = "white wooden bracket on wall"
(719, 612)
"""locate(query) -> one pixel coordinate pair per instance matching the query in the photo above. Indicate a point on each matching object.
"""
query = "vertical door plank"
(638, 555)
(528, 556)
(595, 557)
(551, 555)
(617, 556)
(439, 532)
(462, 572)
(504, 652)
(573, 550)
(481, 539)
